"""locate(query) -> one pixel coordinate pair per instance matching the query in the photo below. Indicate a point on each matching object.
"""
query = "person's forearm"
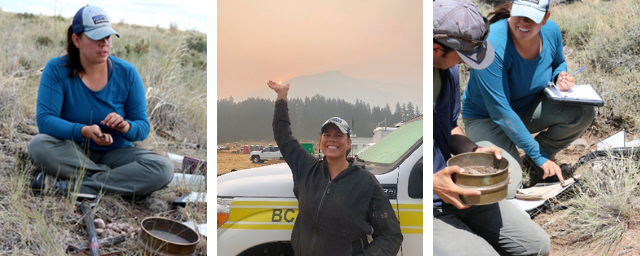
(282, 96)
(138, 130)
(294, 155)
(384, 245)
(59, 128)
(387, 235)
(461, 144)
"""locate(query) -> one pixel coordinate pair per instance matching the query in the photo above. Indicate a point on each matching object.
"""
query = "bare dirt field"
(228, 161)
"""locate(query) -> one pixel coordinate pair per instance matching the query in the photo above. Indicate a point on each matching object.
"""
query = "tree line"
(250, 120)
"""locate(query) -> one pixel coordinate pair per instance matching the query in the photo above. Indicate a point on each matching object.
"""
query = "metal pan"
(165, 237)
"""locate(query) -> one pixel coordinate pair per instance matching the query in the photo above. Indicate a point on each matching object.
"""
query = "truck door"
(266, 153)
(275, 153)
(410, 204)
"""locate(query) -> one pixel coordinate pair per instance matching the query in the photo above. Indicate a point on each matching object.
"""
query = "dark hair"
(447, 49)
(73, 53)
(502, 11)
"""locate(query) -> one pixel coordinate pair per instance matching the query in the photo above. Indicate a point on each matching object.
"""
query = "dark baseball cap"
(339, 122)
(459, 25)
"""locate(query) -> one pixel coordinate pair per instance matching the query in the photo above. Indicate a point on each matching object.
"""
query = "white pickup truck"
(257, 207)
(268, 153)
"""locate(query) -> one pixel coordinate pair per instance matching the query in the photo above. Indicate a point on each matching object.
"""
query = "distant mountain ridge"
(334, 84)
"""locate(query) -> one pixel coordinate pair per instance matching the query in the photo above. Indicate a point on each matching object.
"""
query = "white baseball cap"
(532, 9)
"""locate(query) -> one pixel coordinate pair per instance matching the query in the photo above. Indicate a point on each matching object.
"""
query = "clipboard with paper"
(579, 94)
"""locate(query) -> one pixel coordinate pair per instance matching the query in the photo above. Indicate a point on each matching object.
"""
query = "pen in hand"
(574, 73)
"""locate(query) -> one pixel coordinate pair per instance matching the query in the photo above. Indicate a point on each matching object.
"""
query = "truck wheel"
(270, 249)
(256, 159)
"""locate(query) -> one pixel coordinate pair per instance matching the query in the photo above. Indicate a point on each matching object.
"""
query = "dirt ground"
(630, 242)
(121, 216)
(228, 161)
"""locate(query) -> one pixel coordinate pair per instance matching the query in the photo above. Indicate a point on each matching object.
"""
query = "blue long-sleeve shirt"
(66, 104)
(511, 84)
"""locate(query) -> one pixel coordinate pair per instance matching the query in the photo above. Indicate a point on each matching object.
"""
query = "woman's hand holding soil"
(94, 132)
(116, 122)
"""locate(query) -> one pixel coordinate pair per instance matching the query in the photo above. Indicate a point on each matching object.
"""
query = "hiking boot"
(536, 173)
(45, 182)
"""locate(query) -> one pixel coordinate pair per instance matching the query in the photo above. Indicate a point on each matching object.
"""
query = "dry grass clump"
(606, 205)
(605, 37)
(172, 64)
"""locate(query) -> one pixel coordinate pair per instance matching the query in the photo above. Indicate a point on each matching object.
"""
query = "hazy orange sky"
(259, 40)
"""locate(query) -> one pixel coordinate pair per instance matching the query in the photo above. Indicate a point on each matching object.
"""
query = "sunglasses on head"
(477, 43)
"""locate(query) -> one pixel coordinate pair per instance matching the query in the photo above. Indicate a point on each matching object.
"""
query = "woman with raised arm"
(340, 204)
(91, 106)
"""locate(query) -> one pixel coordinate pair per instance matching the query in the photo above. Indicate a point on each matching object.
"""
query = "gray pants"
(125, 171)
(564, 124)
(496, 229)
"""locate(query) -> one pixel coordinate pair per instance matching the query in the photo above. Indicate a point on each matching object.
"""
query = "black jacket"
(335, 216)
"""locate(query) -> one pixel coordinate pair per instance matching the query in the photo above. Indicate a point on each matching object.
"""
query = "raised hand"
(281, 90)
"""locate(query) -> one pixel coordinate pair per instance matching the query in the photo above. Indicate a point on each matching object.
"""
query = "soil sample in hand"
(480, 170)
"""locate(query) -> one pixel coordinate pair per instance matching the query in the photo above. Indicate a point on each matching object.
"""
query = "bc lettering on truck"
(257, 207)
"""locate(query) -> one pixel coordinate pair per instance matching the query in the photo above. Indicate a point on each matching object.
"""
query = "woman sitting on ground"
(91, 106)
(340, 203)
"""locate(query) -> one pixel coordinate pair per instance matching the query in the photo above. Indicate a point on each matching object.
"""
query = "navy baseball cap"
(532, 9)
(339, 122)
(459, 25)
(93, 22)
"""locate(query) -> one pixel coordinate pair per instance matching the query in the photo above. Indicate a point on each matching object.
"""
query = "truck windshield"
(395, 145)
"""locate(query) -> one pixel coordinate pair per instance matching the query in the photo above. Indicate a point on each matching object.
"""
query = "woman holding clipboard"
(505, 103)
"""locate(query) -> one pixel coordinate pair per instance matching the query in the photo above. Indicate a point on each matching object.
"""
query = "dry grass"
(172, 65)
(603, 35)
(606, 204)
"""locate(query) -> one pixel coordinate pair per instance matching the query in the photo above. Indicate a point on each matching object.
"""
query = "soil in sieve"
(477, 169)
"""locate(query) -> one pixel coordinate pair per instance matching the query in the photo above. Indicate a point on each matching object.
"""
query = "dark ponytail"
(502, 11)
(73, 53)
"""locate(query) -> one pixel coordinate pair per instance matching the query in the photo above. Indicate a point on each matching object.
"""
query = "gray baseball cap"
(93, 22)
(459, 25)
(341, 123)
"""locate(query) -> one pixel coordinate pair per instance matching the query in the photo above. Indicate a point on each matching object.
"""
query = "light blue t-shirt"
(510, 84)
(66, 104)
